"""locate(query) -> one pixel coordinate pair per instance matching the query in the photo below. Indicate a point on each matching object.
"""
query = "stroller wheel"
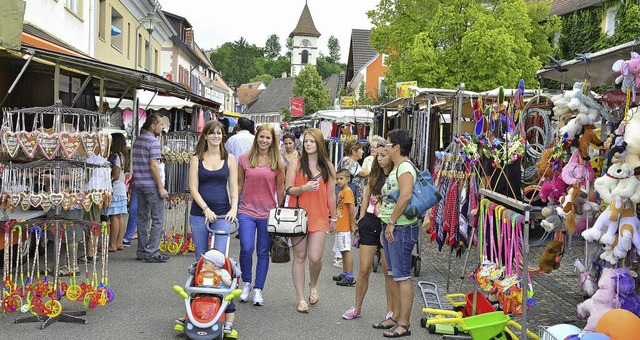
(417, 263)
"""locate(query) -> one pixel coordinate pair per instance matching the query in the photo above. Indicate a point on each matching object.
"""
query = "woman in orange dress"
(312, 182)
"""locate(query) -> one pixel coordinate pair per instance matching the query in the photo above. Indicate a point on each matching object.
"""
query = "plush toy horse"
(601, 301)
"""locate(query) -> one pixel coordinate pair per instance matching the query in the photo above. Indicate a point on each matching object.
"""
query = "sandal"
(85, 259)
(393, 332)
(313, 296)
(303, 307)
(120, 247)
(385, 324)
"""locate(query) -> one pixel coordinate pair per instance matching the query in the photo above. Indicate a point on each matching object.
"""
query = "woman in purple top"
(261, 181)
(211, 169)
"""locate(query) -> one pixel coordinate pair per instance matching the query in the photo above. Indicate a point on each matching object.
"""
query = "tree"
(265, 78)
(445, 43)
(334, 50)
(274, 67)
(289, 48)
(236, 61)
(272, 47)
(308, 85)
(326, 68)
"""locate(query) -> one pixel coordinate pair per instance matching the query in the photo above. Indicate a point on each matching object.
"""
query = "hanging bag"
(280, 252)
(284, 221)
(425, 194)
(576, 170)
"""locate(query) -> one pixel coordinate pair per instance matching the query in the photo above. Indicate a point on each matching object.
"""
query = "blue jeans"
(249, 228)
(150, 206)
(399, 253)
(200, 234)
(132, 222)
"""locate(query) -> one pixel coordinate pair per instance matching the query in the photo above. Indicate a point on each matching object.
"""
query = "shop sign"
(297, 107)
(347, 102)
(402, 88)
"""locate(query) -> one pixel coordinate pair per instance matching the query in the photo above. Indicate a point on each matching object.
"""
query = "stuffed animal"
(550, 259)
(588, 137)
(632, 138)
(552, 221)
(571, 129)
(572, 207)
(629, 73)
(619, 213)
(627, 184)
(545, 164)
(604, 185)
(553, 190)
(626, 288)
(628, 234)
(587, 283)
(601, 301)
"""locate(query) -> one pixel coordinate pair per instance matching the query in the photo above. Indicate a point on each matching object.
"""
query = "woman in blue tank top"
(211, 169)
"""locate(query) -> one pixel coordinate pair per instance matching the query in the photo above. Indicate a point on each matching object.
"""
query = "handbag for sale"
(425, 194)
(284, 221)
(577, 170)
(279, 250)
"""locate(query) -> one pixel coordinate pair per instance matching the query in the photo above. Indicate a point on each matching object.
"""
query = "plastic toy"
(484, 326)
(205, 304)
(619, 324)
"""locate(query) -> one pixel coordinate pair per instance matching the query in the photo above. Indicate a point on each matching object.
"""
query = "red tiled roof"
(247, 95)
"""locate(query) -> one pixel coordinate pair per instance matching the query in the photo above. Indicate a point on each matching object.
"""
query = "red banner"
(297, 107)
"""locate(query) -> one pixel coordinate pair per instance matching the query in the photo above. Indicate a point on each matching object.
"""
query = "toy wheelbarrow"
(466, 305)
(486, 326)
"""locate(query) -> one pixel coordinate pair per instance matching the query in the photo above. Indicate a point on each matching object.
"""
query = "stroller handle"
(233, 230)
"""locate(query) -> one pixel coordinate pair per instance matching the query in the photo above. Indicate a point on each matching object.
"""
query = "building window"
(147, 59)
(140, 50)
(128, 40)
(385, 59)
(610, 21)
(305, 57)
(117, 24)
(102, 18)
(156, 61)
(73, 6)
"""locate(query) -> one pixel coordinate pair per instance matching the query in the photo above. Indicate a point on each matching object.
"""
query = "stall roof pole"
(56, 83)
(15, 82)
(84, 86)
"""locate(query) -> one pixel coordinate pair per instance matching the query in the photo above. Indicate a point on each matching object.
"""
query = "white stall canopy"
(150, 101)
(346, 116)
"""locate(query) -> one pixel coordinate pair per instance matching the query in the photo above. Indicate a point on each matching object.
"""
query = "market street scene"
(306, 169)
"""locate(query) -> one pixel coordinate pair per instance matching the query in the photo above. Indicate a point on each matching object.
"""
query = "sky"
(216, 22)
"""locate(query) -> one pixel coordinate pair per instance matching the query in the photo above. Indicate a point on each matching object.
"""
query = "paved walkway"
(145, 306)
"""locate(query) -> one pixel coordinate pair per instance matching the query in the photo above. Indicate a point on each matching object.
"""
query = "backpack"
(425, 194)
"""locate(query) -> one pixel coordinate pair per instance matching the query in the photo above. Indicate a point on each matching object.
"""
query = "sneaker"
(351, 313)
(246, 290)
(346, 282)
(227, 328)
(180, 321)
(338, 277)
(257, 297)
(337, 263)
(126, 243)
(160, 258)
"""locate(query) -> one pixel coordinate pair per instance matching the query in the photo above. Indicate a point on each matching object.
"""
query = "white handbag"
(287, 221)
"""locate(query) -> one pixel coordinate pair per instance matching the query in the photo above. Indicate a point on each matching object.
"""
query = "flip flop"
(303, 307)
(313, 296)
(393, 332)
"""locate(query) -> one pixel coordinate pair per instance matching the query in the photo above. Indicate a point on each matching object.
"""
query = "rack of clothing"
(335, 149)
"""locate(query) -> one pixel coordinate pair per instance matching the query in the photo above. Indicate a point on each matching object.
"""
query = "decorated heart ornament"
(49, 144)
(69, 143)
(103, 141)
(90, 143)
(56, 198)
(68, 200)
(28, 142)
(97, 198)
(46, 202)
(107, 198)
(86, 202)
(35, 200)
(14, 200)
(24, 201)
(10, 143)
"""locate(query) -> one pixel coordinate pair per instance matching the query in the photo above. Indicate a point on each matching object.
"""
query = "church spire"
(305, 26)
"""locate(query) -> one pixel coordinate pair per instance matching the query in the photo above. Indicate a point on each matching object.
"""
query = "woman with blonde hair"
(212, 168)
(261, 181)
(311, 181)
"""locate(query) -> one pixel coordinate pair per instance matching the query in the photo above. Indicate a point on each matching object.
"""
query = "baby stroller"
(206, 304)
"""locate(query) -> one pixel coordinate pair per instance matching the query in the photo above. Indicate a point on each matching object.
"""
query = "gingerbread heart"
(56, 198)
(86, 202)
(46, 202)
(186, 156)
(14, 200)
(68, 200)
(97, 198)
(49, 144)
(107, 198)
(10, 143)
(35, 200)
(90, 143)
(28, 142)
(69, 143)
(105, 144)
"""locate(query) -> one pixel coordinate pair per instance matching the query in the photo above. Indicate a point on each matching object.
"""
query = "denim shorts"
(399, 253)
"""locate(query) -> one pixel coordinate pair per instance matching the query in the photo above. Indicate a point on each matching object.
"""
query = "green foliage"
(265, 78)
(334, 50)
(326, 68)
(289, 45)
(443, 43)
(308, 85)
(272, 47)
(286, 114)
(236, 61)
(364, 97)
(273, 67)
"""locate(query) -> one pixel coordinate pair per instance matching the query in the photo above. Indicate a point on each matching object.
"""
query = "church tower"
(305, 42)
